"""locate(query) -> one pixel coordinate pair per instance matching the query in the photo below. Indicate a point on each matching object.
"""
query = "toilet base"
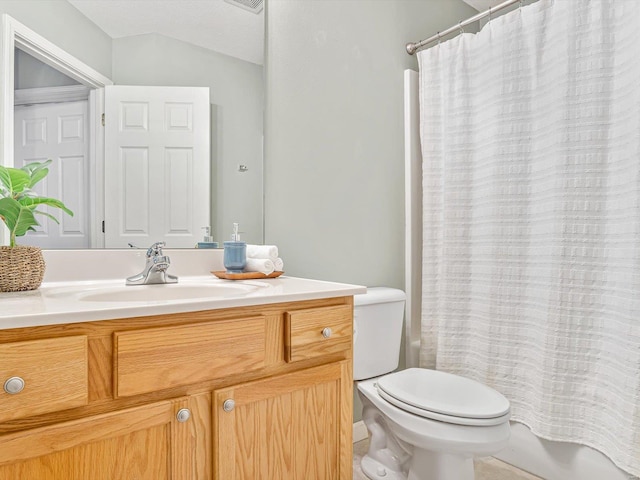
(425, 465)
(375, 470)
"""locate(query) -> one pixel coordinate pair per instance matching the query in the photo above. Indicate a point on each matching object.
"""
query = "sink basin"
(156, 293)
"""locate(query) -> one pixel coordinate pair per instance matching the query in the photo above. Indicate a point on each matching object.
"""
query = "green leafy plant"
(19, 202)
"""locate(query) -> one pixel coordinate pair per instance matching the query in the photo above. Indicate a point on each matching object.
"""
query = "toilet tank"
(377, 331)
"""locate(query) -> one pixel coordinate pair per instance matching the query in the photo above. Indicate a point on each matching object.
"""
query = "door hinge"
(102, 226)
(103, 119)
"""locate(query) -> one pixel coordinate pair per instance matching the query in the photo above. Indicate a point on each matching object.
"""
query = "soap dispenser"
(207, 241)
(235, 253)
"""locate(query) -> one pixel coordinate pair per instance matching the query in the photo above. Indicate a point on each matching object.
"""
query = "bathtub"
(557, 460)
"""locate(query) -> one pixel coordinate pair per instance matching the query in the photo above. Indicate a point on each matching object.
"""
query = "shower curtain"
(530, 135)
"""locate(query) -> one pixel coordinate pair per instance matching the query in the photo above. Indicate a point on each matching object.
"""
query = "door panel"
(157, 164)
(57, 131)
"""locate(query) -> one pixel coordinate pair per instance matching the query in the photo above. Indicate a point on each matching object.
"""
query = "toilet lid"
(443, 393)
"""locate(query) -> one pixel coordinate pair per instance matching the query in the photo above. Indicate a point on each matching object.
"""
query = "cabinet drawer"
(318, 331)
(52, 372)
(158, 358)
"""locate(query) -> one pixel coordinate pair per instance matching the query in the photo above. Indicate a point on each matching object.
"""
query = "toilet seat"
(444, 397)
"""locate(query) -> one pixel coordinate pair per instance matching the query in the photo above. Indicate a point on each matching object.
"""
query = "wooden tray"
(245, 275)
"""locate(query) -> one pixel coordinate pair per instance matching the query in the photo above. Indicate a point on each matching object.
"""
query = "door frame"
(17, 35)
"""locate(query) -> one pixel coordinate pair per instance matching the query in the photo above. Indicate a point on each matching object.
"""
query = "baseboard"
(359, 432)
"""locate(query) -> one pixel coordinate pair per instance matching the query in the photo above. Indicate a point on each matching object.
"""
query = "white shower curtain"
(530, 136)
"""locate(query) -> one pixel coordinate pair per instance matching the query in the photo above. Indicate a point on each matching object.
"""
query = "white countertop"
(73, 302)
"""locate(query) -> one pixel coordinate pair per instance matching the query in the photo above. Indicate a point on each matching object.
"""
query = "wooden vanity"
(252, 392)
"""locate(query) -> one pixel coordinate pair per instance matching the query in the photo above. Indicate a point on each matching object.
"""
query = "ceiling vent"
(254, 6)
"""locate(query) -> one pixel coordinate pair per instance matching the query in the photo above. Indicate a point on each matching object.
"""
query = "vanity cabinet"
(259, 392)
(154, 359)
(150, 442)
(45, 375)
(284, 427)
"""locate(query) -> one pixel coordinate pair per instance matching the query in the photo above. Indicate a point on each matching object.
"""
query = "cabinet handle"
(228, 405)
(183, 415)
(326, 332)
(14, 385)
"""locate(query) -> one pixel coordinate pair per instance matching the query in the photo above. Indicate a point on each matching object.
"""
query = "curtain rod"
(414, 47)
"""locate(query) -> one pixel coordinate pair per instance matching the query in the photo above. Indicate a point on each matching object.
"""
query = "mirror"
(236, 97)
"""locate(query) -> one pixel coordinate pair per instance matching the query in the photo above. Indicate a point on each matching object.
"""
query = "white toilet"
(423, 424)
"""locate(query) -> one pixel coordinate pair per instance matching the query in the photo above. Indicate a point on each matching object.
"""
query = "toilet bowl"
(423, 424)
(409, 442)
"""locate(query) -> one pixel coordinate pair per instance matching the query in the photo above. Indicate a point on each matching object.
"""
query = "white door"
(157, 165)
(57, 131)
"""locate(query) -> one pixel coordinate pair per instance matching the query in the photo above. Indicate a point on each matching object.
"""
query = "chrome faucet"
(155, 271)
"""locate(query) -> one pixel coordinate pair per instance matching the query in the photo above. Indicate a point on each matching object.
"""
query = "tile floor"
(486, 468)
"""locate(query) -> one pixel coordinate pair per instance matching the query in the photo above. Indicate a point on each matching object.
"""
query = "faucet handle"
(155, 249)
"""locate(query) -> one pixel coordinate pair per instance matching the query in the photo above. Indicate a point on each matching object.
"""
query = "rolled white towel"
(279, 264)
(262, 251)
(262, 265)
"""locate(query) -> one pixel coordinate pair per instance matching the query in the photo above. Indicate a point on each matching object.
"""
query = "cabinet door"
(140, 443)
(296, 426)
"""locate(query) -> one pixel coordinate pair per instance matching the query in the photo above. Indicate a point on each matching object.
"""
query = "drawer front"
(318, 331)
(158, 358)
(52, 373)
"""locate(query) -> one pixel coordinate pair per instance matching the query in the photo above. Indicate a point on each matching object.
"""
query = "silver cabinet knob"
(228, 405)
(326, 332)
(14, 385)
(183, 415)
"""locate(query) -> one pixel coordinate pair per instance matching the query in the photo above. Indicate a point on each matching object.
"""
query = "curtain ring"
(461, 27)
(438, 38)
(489, 13)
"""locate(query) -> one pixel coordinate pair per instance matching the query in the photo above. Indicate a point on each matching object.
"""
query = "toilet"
(423, 424)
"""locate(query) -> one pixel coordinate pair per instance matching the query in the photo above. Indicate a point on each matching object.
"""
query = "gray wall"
(29, 72)
(334, 164)
(334, 174)
(62, 24)
(237, 98)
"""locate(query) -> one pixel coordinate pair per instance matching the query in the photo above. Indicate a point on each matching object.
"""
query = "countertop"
(73, 302)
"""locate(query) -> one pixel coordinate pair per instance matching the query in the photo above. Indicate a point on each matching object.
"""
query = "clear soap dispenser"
(207, 241)
(235, 253)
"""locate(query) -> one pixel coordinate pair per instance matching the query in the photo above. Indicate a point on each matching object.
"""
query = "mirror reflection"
(161, 57)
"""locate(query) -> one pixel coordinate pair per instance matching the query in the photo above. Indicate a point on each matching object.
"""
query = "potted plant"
(22, 267)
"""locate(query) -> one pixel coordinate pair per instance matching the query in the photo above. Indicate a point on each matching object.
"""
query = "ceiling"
(212, 24)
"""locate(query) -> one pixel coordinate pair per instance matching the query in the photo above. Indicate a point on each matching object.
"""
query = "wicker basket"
(21, 268)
